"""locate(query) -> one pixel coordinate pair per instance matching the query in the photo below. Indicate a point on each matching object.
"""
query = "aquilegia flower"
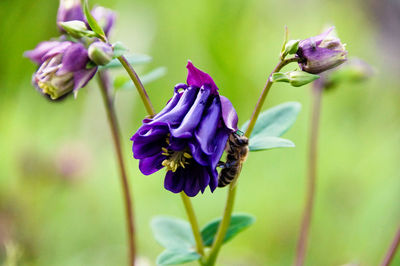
(320, 53)
(62, 68)
(188, 136)
(66, 66)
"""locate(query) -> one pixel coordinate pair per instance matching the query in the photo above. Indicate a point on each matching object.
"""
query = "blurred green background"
(60, 195)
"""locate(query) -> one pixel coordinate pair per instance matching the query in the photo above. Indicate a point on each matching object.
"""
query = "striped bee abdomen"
(236, 149)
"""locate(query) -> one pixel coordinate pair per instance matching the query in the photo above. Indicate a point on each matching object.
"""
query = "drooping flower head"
(66, 66)
(320, 53)
(188, 136)
(62, 68)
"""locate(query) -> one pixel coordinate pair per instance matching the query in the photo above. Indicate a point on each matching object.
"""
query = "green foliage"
(172, 233)
(295, 78)
(93, 23)
(177, 256)
(272, 124)
(238, 223)
(125, 83)
(134, 60)
(177, 237)
(119, 49)
(260, 142)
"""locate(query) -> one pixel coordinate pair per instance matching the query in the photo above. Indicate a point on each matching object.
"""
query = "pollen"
(175, 159)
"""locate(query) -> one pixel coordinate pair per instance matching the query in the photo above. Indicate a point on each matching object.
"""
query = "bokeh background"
(60, 196)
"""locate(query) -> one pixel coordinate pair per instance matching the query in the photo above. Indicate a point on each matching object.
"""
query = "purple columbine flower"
(320, 53)
(69, 10)
(62, 68)
(188, 136)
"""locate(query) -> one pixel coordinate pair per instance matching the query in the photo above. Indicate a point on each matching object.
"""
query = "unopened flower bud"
(291, 47)
(295, 78)
(320, 53)
(100, 53)
(300, 78)
(76, 28)
(69, 10)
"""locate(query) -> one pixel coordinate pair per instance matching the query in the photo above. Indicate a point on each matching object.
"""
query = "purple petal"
(75, 58)
(170, 105)
(69, 10)
(198, 155)
(148, 145)
(196, 179)
(193, 117)
(315, 40)
(219, 143)
(151, 164)
(205, 133)
(213, 178)
(229, 114)
(174, 182)
(82, 77)
(59, 49)
(105, 17)
(178, 112)
(37, 54)
(198, 78)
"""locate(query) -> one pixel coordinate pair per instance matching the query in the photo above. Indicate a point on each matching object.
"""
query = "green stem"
(139, 86)
(312, 175)
(113, 121)
(392, 250)
(230, 200)
(193, 222)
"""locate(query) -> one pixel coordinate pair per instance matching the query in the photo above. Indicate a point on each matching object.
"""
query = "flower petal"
(151, 164)
(228, 113)
(75, 58)
(205, 132)
(198, 78)
(178, 112)
(193, 117)
(82, 77)
(37, 54)
(174, 182)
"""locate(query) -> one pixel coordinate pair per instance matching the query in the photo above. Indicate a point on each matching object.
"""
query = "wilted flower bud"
(101, 53)
(105, 17)
(320, 53)
(69, 10)
(62, 68)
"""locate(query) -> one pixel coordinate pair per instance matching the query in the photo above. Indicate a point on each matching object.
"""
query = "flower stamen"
(175, 159)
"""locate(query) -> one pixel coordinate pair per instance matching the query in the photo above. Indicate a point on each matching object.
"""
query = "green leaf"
(153, 75)
(259, 143)
(134, 60)
(119, 49)
(93, 23)
(275, 121)
(172, 233)
(125, 83)
(238, 223)
(177, 256)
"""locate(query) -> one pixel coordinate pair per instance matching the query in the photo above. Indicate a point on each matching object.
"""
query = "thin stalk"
(139, 86)
(193, 222)
(392, 250)
(230, 200)
(312, 175)
(113, 122)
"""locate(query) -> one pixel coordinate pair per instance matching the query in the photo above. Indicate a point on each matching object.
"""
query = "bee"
(237, 148)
